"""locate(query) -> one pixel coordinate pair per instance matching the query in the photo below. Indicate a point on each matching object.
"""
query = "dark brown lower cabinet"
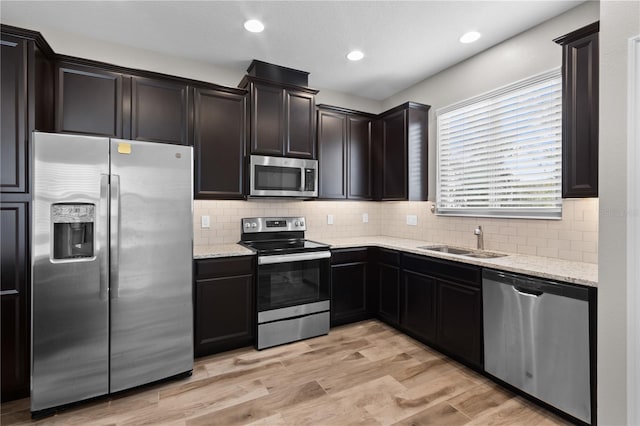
(389, 293)
(388, 280)
(14, 298)
(419, 305)
(224, 304)
(460, 320)
(442, 306)
(349, 287)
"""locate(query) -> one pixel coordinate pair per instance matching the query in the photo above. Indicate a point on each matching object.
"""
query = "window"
(499, 154)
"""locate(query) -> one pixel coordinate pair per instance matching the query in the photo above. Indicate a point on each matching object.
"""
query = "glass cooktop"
(284, 246)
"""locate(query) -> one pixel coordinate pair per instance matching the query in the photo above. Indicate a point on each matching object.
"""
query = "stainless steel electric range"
(293, 280)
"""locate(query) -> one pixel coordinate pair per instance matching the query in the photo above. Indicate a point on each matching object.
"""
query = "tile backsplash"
(225, 218)
(575, 237)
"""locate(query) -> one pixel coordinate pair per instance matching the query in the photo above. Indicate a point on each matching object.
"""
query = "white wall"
(331, 97)
(619, 21)
(126, 56)
(633, 235)
(524, 55)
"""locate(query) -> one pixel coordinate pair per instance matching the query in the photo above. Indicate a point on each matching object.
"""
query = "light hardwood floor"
(365, 373)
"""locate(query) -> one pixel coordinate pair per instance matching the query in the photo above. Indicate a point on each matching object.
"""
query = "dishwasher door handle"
(527, 292)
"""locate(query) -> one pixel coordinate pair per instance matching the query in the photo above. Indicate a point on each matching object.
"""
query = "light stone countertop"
(220, 250)
(541, 267)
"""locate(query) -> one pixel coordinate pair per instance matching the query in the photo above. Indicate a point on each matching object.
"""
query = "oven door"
(293, 279)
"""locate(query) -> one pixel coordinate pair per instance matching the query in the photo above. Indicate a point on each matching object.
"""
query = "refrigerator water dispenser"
(73, 227)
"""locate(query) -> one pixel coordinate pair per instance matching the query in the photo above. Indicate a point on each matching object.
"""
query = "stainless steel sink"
(462, 251)
(484, 255)
(446, 249)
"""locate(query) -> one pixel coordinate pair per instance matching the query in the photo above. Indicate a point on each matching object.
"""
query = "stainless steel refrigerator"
(111, 300)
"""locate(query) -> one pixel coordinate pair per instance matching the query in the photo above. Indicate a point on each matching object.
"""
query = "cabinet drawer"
(224, 267)
(348, 255)
(388, 256)
(458, 272)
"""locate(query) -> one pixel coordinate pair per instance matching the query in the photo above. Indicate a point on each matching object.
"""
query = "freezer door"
(69, 299)
(151, 262)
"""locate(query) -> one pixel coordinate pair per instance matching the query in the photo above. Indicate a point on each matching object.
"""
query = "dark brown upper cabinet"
(344, 153)
(359, 156)
(300, 124)
(15, 126)
(580, 112)
(401, 153)
(332, 154)
(98, 101)
(159, 111)
(219, 143)
(282, 119)
(89, 100)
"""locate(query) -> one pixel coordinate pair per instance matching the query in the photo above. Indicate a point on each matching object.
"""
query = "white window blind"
(499, 154)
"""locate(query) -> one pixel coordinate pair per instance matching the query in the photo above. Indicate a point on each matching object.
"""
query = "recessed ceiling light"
(355, 55)
(254, 26)
(470, 37)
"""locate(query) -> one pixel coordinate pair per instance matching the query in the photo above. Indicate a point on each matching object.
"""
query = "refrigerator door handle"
(104, 222)
(115, 234)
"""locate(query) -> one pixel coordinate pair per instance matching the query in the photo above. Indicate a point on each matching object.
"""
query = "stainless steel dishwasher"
(536, 338)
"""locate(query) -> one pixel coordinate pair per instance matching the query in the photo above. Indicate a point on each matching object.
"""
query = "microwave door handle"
(303, 178)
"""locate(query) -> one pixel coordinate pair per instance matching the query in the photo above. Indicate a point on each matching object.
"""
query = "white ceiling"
(404, 41)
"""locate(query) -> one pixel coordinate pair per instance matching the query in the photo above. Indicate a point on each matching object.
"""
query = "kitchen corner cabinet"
(219, 143)
(401, 160)
(282, 118)
(388, 262)
(350, 292)
(443, 306)
(344, 153)
(580, 112)
(224, 314)
(16, 114)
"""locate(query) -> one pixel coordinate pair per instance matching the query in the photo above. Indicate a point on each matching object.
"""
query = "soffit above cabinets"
(403, 42)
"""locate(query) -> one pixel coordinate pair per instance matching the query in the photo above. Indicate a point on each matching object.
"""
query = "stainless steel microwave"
(282, 177)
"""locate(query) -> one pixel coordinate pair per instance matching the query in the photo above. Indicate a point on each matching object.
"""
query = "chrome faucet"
(478, 233)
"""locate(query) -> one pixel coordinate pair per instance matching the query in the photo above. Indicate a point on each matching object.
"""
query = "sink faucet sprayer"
(478, 232)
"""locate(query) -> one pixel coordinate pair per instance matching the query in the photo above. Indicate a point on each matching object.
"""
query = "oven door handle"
(294, 257)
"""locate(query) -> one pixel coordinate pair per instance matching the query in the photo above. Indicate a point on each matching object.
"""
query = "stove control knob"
(297, 223)
(301, 223)
(254, 225)
(247, 225)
